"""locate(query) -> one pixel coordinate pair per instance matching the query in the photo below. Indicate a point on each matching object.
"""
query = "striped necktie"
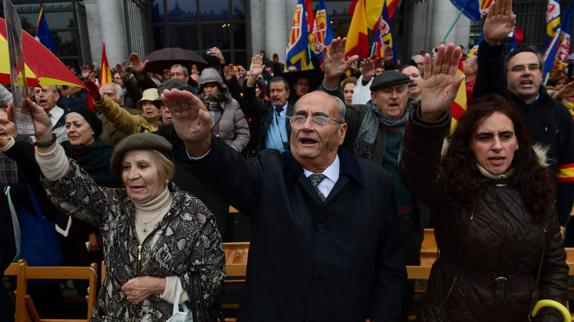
(316, 179)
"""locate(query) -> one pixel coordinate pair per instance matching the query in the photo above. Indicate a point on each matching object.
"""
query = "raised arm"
(425, 133)
(138, 66)
(68, 186)
(335, 64)
(211, 160)
(119, 117)
(499, 23)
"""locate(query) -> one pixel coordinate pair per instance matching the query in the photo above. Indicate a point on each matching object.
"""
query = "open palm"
(440, 83)
(190, 117)
(499, 21)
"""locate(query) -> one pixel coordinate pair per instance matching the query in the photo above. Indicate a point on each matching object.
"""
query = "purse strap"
(15, 222)
(534, 297)
(539, 271)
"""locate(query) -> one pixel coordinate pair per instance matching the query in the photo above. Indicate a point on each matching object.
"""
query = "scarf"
(373, 119)
(95, 160)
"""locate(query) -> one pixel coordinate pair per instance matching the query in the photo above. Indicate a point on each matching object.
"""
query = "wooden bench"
(25, 309)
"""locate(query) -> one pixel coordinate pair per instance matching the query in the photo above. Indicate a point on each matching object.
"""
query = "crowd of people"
(339, 170)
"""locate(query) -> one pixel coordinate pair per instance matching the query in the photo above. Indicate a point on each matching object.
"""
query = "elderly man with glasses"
(324, 245)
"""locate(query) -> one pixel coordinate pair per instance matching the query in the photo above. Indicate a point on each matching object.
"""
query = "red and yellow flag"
(565, 173)
(105, 71)
(358, 34)
(374, 9)
(458, 107)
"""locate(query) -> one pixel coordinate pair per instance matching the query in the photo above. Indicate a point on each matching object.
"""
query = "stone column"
(276, 27)
(113, 30)
(94, 30)
(256, 25)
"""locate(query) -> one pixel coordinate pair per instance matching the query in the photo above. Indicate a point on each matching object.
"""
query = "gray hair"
(185, 71)
(342, 109)
(117, 88)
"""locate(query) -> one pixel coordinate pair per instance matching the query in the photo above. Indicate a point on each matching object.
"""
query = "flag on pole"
(298, 49)
(383, 36)
(358, 34)
(322, 31)
(552, 18)
(105, 71)
(565, 35)
(43, 34)
(556, 54)
(373, 9)
(310, 16)
(470, 8)
(458, 107)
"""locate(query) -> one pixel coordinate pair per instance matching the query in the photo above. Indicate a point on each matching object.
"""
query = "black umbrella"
(164, 58)
(314, 76)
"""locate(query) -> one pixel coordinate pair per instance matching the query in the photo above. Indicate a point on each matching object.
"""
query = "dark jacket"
(497, 238)
(189, 183)
(338, 260)
(354, 117)
(549, 123)
(262, 114)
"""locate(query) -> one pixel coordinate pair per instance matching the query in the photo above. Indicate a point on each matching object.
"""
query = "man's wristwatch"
(46, 144)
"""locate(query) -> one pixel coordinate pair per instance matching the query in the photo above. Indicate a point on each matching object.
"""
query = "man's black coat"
(338, 260)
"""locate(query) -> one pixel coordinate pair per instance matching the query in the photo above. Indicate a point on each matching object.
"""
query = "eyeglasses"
(108, 94)
(319, 120)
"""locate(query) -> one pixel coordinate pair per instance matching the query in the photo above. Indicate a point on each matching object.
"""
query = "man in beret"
(375, 133)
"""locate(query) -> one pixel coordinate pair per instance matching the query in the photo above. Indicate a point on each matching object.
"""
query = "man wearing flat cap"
(375, 133)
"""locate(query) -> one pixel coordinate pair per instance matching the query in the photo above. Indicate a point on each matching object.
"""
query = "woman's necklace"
(145, 223)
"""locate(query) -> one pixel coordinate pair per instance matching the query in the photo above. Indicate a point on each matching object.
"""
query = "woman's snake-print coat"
(185, 243)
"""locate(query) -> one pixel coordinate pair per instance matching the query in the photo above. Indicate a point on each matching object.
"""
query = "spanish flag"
(358, 35)
(105, 71)
(375, 7)
(565, 173)
(458, 107)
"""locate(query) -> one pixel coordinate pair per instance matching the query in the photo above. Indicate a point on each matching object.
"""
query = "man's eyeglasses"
(320, 120)
(108, 94)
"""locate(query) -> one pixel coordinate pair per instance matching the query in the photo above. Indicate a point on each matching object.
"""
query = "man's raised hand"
(335, 62)
(191, 120)
(499, 23)
(439, 84)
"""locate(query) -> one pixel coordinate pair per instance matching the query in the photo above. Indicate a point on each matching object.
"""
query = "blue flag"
(556, 54)
(384, 37)
(470, 8)
(323, 32)
(298, 51)
(43, 34)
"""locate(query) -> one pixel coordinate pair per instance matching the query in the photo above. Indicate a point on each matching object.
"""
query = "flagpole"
(452, 25)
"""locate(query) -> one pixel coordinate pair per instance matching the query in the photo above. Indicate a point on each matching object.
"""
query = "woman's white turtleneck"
(489, 175)
(151, 212)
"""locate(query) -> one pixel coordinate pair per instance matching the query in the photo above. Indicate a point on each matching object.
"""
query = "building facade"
(239, 27)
